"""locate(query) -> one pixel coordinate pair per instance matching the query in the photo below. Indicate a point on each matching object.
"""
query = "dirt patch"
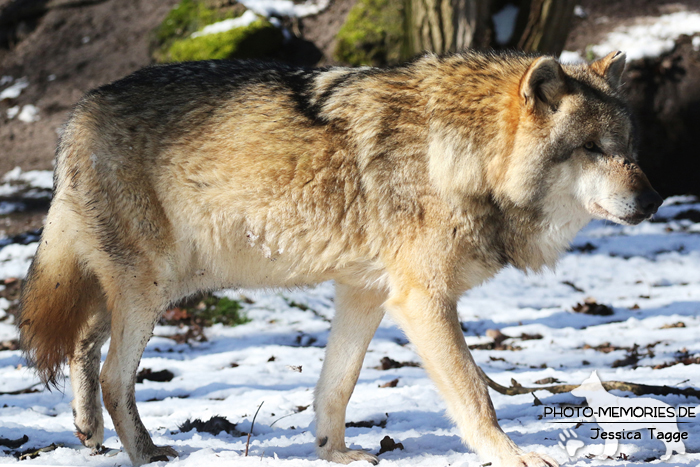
(70, 51)
(322, 28)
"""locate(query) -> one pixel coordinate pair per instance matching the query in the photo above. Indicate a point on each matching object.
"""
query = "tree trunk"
(443, 26)
(543, 25)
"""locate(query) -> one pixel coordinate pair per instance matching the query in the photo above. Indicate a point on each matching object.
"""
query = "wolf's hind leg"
(85, 378)
(133, 320)
(358, 314)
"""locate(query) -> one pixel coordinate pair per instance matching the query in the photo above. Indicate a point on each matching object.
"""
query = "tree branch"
(634, 388)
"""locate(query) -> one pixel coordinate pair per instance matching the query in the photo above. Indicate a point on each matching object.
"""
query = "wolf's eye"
(592, 147)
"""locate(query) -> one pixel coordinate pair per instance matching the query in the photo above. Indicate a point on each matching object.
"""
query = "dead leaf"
(387, 444)
(391, 384)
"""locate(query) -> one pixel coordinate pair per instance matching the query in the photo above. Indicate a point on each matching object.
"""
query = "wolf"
(601, 401)
(406, 186)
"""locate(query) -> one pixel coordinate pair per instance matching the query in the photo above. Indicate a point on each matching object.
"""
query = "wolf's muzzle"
(648, 202)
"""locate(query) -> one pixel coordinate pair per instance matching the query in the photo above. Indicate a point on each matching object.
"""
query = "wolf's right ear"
(610, 67)
(543, 84)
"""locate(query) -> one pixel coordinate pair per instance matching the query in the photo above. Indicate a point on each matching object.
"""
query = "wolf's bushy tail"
(57, 298)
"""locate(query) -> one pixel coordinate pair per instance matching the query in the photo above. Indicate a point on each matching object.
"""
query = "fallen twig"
(13, 443)
(33, 453)
(247, 443)
(28, 390)
(634, 388)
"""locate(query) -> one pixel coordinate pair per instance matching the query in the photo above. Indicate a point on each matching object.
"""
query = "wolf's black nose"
(649, 201)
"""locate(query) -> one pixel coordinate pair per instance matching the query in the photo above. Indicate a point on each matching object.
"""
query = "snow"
(285, 7)
(29, 114)
(13, 91)
(40, 179)
(12, 112)
(245, 19)
(648, 37)
(651, 37)
(648, 274)
(574, 58)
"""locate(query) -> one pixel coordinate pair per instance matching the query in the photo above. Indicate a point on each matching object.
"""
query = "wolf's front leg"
(357, 315)
(432, 325)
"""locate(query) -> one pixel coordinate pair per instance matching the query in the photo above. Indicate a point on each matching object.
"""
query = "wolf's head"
(583, 138)
(533, 133)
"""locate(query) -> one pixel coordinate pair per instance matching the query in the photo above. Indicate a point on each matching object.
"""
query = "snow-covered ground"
(649, 274)
(647, 37)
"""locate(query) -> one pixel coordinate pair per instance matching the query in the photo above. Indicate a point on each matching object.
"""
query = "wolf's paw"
(154, 454)
(347, 456)
(90, 438)
(161, 453)
(533, 459)
(569, 443)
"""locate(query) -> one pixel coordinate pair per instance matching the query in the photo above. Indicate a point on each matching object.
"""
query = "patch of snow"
(573, 58)
(246, 19)
(651, 37)
(15, 260)
(13, 91)
(12, 112)
(51, 77)
(29, 114)
(648, 274)
(5, 79)
(579, 12)
(696, 43)
(34, 178)
(504, 23)
(31, 184)
(285, 7)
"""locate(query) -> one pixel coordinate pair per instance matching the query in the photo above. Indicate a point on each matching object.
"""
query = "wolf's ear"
(610, 67)
(543, 84)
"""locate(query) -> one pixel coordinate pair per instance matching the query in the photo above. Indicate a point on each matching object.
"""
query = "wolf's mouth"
(634, 219)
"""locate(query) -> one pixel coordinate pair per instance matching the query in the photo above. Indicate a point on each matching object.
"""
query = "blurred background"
(53, 51)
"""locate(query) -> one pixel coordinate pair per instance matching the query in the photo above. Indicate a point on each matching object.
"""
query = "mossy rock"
(258, 39)
(373, 34)
(172, 41)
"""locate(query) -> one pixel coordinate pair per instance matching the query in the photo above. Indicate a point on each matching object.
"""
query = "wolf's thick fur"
(406, 186)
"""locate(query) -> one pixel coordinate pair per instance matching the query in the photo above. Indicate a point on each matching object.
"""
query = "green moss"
(222, 310)
(187, 17)
(172, 41)
(259, 39)
(373, 34)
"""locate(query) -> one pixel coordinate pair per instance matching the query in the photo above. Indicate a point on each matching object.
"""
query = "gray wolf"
(406, 186)
(603, 404)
